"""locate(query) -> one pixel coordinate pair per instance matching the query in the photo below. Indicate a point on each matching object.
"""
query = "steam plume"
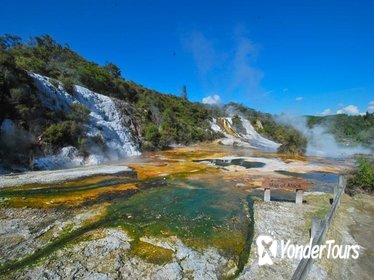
(320, 141)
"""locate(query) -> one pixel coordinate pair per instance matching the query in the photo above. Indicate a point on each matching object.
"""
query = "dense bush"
(78, 113)
(113, 69)
(66, 133)
(69, 129)
(179, 121)
(362, 179)
(68, 84)
(294, 144)
(151, 136)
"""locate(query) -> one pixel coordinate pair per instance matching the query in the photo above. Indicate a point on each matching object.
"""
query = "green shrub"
(294, 144)
(113, 69)
(62, 134)
(78, 113)
(363, 177)
(31, 63)
(96, 78)
(152, 134)
(68, 84)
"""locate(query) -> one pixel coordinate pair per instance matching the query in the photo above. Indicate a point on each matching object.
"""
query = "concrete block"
(267, 195)
(299, 196)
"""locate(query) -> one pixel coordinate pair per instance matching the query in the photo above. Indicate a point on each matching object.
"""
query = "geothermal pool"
(201, 196)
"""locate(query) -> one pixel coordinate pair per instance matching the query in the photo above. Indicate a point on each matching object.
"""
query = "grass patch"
(320, 206)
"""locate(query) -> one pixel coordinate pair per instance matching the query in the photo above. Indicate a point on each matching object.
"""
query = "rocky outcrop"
(248, 138)
(107, 255)
(109, 120)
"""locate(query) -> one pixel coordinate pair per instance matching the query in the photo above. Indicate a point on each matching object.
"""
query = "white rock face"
(215, 127)
(105, 121)
(256, 139)
(250, 138)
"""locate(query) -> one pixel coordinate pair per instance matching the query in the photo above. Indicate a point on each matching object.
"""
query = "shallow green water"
(203, 211)
(198, 213)
(189, 209)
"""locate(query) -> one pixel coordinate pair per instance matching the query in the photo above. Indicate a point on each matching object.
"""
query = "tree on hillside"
(113, 69)
(9, 41)
(184, 93)
(47, 41)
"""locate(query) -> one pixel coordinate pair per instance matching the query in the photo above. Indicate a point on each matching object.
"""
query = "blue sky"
(300, 57)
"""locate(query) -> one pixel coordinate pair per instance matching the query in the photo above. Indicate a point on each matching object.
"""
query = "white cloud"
(202, 50)
(349, 110)
(212, 100)
(326, 112)
(229, 70)
(371, 107)
(299, 98)
(245, 77)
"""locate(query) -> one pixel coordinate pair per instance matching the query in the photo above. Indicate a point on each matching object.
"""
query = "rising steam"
(320, 141)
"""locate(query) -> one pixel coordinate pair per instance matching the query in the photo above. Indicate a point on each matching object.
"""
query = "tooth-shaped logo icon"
(266, 248)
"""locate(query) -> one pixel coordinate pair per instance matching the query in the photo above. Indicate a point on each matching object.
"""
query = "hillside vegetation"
(159, 120)
(348, 130)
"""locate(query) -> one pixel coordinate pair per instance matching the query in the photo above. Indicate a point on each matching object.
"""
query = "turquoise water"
(193, 210)
(199, 213)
